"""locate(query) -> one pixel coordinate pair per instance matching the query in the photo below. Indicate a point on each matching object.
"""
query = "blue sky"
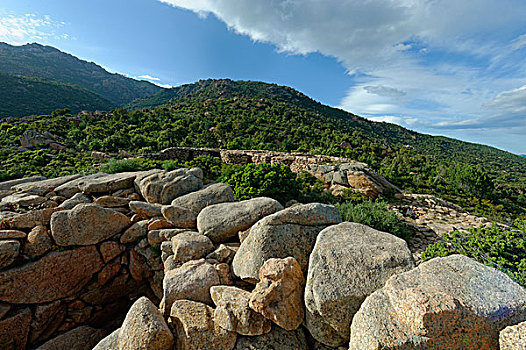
(444, 67)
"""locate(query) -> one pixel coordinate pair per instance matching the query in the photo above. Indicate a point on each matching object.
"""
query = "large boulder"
(234, 314)
(279, 294)
(86, 224)
(146, 210)
(42, 187)
(179, 216)
(163, 187)
(14, 330)
(444, 303)
(190, 246)
(191, 281)
(348, 263)
(70, 188)
(144, 328)
(209, 195)
(109, 342)
(290, 232)
(107, 183)
(221, 222)
(513, 337)
(7, 185)
(277, 339)
(195, 328)
(80, 338)
(52, 277)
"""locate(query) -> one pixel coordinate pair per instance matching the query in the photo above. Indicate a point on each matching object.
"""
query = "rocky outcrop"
(513, 337)
(222, 222)
(32, 139)
(162, 187)
(349, 262)
(445, 303)
(290, 232)
(209, 195)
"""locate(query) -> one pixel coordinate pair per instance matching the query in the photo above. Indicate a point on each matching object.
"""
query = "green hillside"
(254, 115)
(23, 96)
(48, 63)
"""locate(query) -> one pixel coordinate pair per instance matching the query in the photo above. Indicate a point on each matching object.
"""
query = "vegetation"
(496, 246)
(251, 115)
(22, 96)
(375, 215)
(50, 64)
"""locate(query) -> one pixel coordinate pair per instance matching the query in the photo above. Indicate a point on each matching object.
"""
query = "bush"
(275, 181)
(502, 248)
(134, 164)
(375, 215)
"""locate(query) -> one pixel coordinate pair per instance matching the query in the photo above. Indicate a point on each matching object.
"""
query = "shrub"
(134, 164)
(375, 215)
(276, 181)
(496, 246)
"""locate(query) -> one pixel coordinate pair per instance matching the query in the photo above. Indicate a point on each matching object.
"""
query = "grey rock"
(38, 242)
(513, 337)
(24, 199)
(70, 188)
(6, 185)
(209, 195)
(42, 187)
(444, 303)
(190, 246)
(163, 187)
(348, 263)
(179, 216)
(277, 339)
(109, 342)
(80, 338)
(146, 210)
(86, 224)
(221, 222)
(108, 183)
(290, 232)
(71, 203)
(135, 231)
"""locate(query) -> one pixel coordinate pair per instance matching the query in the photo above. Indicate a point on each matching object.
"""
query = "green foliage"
(375, 215)
(123, 165)
(496, 246)
(275, 181)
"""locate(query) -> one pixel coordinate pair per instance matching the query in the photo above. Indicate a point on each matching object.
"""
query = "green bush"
(275, 181)
(375, 215)
(502, 248)
(134, 164)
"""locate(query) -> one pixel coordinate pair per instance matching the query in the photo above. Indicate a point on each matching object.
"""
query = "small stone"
(277, 338)
(111, 202)
(146, 210)
(180, 217)
(134, 232)
(71, 203)
(195, 328)
(38, 242)
(224, 253)
(9, 250)
(234, 314)
(110, 250)
(12, 234)
(190, 246)
(159, 224)
(14, 330)
(279, 293)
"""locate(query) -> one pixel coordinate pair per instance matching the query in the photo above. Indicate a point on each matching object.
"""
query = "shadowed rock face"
(451, 302)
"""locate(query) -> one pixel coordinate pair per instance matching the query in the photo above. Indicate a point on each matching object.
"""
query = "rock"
(111, 202)
(108, 272)
(171, 264)
(278, 338)
(513, 337)
(290, 232)
(38, 282)
(190, 246)
(38, 242)
(12, 234)
(47, 318)
(162, 187)
(24, 199)
(32, 138)
(110, 250)
(14, 330)
(136, 231)
(99, 155)
(444, 303)
(234, 314)
(144, 328)
(159, 224)
(86, 224)
(146, 210)
(209, 195)
(279, 294)
(9, 250)
(179, 216)
(71, 203)
(224, 253)
(32, 218)
(6, 185)
(71, 188)
(221, 222)
(195, 328)
(139, 269)
(191, 281)
(349, 262)
(110, 342)
(80, 338)
(44, 186)
(107, 183)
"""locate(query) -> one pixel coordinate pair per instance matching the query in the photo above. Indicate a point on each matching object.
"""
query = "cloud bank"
(18, 30)
(430, 64)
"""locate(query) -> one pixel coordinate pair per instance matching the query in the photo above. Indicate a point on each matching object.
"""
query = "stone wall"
(338, 173)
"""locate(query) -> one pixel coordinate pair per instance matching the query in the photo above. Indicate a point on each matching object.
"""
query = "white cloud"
(437, 63)
(513, 101)
(18, 30)
(148, 77)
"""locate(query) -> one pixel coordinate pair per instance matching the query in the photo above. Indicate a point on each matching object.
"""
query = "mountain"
(48, 63)
(24, 96)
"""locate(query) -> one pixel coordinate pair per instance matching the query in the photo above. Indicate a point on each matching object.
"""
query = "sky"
(442, 67)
